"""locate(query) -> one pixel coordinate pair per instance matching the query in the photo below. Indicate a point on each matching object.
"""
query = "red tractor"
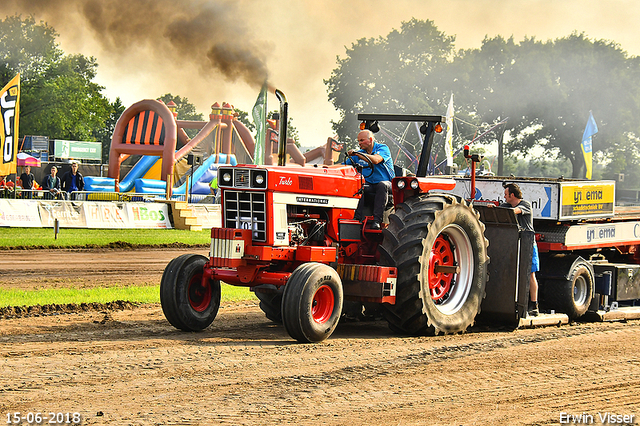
(288, 233)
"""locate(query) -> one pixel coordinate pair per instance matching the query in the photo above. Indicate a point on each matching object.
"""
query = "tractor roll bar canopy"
(402, 117)
(427, 129)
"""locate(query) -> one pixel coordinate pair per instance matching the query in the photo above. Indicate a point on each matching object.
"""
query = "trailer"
(589, 247)
(443, 259)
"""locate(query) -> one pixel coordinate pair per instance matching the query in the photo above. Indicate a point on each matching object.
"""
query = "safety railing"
(43, 194)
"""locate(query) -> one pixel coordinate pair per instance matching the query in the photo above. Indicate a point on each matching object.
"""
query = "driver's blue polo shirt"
(379, 173)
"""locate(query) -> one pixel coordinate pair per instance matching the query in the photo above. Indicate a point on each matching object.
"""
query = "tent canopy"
(25, 159)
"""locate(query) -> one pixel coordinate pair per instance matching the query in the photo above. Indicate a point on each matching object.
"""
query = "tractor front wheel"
(189, 303)
(312, 302)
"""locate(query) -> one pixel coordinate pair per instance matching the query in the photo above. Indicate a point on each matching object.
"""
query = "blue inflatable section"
(141, 167)
(99, 184)
(150, 186)
(203, 175)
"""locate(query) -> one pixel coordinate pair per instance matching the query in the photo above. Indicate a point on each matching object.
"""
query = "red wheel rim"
(441, 254)
(323, 303)
(199, 295)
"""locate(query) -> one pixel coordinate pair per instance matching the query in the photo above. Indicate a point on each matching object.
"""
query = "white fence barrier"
(83, 214)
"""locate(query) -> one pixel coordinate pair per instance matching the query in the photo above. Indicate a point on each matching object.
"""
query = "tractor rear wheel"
(188, 302)
(437, 243)
(312, 302)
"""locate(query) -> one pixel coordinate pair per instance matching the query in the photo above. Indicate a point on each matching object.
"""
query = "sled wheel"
(312, 302)
(573, 295)
(425, 233)
(188, 303)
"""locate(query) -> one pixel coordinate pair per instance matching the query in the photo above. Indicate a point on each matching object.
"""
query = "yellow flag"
(9, 114)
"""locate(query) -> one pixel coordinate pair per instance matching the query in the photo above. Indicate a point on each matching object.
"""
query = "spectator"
(52, 183)
(6, 186)
(72, 180)
(27, 180)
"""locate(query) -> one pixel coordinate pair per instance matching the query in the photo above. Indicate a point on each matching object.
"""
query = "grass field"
(62, 296)
(72, 237)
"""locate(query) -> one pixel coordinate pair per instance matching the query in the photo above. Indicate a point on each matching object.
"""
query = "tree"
(105, 133)
(58, 97)
(547, 90)
(402, 73)
(186, 111)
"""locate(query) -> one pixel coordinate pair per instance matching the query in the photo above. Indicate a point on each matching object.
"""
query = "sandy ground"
(130, 367)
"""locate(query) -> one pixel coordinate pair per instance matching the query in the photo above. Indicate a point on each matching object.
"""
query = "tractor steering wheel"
(369, 165)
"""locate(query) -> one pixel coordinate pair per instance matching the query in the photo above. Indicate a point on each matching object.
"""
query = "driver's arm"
(375, 158)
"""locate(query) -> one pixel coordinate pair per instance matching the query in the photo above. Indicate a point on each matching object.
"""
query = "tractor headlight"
(414, 184)
(226, 177)
(401, 184)
(258, 179)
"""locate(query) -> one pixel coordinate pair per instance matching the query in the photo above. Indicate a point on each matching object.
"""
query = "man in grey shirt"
(522, 209)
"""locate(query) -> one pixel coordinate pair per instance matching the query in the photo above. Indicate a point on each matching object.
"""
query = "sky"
(220, 50)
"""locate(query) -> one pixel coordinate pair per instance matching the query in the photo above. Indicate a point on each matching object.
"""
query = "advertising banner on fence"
(78, 149)
(82, 214)
(106, 215)
(19, 213)
(148, 215)
(69, 215)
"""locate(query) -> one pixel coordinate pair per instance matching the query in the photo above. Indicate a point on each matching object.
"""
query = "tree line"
(542, 90)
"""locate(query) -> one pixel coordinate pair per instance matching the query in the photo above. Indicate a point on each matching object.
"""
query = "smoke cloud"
(210, 35)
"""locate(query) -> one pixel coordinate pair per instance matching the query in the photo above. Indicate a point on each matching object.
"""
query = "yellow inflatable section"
(154, 171)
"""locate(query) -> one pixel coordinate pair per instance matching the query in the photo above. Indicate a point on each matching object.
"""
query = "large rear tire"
(312, 302)
(425, 233)
(187, 302)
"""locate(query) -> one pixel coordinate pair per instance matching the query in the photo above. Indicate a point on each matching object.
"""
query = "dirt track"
(131, 367)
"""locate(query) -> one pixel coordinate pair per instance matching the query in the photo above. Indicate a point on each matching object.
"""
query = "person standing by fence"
(73, 180)
(52, 183)
(27, 179)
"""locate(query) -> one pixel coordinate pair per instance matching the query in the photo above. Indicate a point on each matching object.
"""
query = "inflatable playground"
(169, 162)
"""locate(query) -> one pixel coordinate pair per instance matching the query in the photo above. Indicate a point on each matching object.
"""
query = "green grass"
(61, 296)
(73, 237)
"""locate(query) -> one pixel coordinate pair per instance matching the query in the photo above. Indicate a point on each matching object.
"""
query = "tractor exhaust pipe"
(282, 131)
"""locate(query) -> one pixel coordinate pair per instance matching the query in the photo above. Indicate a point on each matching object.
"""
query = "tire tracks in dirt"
(252, 373)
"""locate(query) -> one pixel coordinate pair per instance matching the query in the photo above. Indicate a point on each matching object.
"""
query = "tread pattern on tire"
(174, 296)
(271, 305)
(558, 293)
(403, 247)
(295, 315)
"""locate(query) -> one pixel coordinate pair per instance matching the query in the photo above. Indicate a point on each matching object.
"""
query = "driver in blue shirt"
(378, 182)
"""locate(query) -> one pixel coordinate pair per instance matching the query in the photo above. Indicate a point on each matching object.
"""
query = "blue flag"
(587, 148)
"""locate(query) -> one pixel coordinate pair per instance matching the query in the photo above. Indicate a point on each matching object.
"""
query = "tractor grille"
(241, 178)
(246, 210)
